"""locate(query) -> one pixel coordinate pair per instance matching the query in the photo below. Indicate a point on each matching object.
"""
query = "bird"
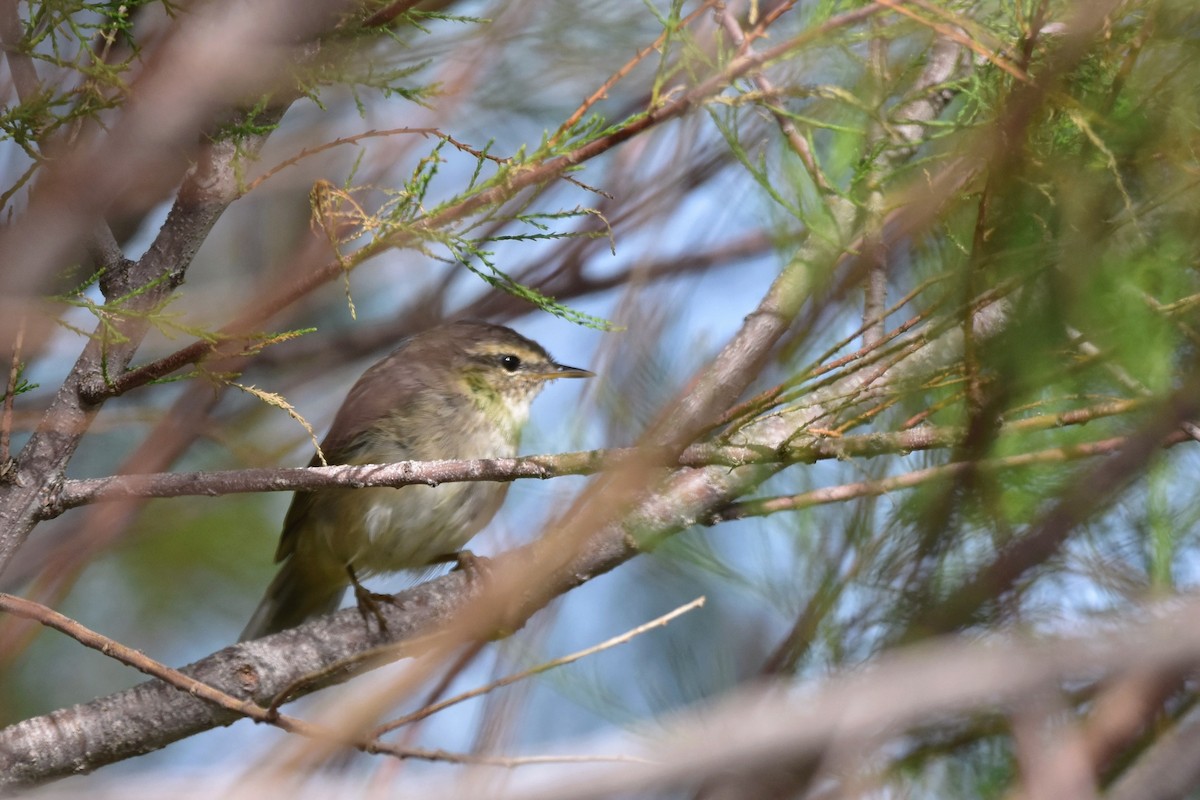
(460, 390)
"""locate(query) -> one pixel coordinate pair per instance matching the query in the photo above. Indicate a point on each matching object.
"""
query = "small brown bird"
(457, 391)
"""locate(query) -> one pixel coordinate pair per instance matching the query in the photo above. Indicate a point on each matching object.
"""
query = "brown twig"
(546, 666)
(6, 420)
(388, 14)
(449, 757)
(342, 140)
(952, 33)
(130, 657)
(529, 175)
(786, 126)
(909, 480)
(620, 74)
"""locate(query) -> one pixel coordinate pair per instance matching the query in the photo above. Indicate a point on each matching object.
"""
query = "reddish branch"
(518, 180)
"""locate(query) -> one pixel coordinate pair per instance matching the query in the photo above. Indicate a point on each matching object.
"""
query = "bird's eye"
(510, 362)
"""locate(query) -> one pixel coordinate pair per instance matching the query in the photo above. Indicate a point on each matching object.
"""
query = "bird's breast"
(384, 529)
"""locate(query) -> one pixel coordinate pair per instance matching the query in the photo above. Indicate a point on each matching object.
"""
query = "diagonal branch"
(205, 195)
(521, 178)
(337, 646)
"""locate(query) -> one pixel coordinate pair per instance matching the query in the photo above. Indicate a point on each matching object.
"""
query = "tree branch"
(205, 195)
(800, 449)
(523, 177)
(335, 646)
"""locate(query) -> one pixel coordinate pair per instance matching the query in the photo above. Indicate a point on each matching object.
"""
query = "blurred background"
(924, 164)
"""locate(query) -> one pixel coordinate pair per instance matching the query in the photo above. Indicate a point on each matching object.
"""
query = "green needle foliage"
(947, 250)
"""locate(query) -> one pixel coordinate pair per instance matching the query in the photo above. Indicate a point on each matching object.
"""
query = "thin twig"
(445, 680)
(619, 75)
(50, 618)
(909, 480)
(353, 139)
(10, 397)
(1122, 377)
(397, 751)
(248, 708)
(529, 175)
(432, 709)
(952, 33)
(371, 134)
(788, 128)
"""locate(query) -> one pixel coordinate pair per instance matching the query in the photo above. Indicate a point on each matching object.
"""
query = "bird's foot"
(368, 606)
(368, 602)
(475, 566)
(465, 561)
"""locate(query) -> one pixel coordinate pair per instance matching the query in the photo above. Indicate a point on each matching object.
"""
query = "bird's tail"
(294, 596)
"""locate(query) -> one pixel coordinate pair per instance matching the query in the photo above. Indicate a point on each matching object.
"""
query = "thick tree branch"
(153, 714)
(656, 491)
(528, 577)
(591, 546)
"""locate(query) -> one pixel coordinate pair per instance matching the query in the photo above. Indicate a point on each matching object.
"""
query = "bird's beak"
(563, 371)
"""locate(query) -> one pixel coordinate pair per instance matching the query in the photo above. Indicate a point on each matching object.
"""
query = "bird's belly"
(386, 530)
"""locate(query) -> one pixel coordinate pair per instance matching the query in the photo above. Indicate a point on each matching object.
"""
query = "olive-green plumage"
(457, 391)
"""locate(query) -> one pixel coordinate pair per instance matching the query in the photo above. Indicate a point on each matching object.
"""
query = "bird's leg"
(368, 601)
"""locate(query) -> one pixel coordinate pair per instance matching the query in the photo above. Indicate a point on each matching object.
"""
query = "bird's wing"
(382, 390)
